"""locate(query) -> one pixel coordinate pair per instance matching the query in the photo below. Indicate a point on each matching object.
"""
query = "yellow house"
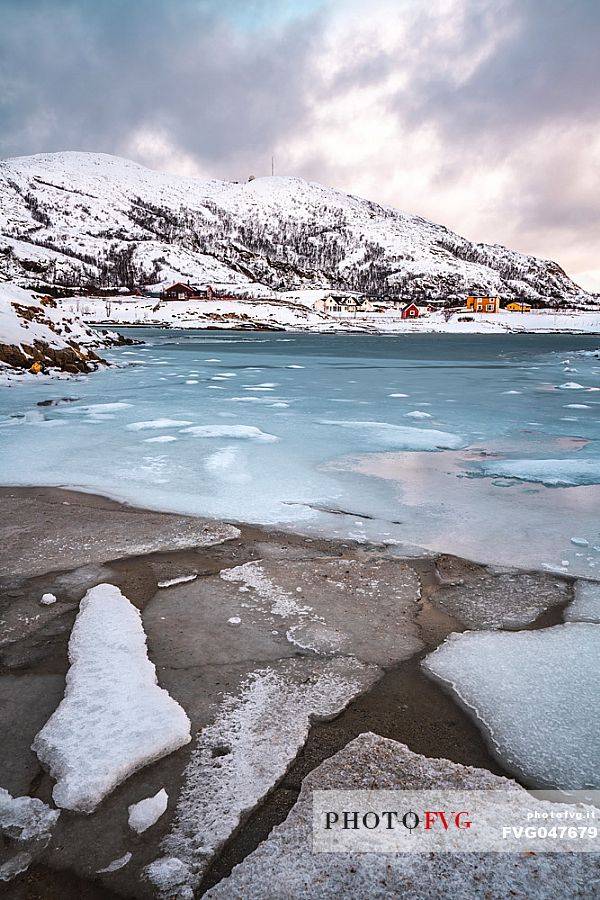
(518, 307)
(483, 304)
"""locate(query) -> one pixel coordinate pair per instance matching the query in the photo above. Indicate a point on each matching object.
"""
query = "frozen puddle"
(535, 694)
(403, 437)
(114, 718)
(243, 754)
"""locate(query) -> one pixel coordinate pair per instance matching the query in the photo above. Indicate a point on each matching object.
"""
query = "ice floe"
(402, 437)
(26, 818)
(147, 812)
(520, 688)
(156, 424)
(241, 432)
(28, 822)
(115, 865)
(114, 718)
(179, 579)
(48, 599)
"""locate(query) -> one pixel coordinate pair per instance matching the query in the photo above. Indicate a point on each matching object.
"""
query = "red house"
(181, 291)
(410, 311)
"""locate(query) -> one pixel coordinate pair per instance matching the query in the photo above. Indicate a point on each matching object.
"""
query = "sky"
(482, 115)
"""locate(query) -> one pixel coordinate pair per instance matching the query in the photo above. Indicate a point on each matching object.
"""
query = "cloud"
(480, 114)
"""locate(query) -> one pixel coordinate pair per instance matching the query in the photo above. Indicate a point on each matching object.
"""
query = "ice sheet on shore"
(586, 605)
(243, 754)
(402, 437)
(284, 865)
(520, 688)
(553, 472)
(114, 718)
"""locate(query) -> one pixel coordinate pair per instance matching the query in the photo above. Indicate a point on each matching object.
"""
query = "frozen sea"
(484, 445)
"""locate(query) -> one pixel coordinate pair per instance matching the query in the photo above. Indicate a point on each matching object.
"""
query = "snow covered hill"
(36, 334)
(98, 221)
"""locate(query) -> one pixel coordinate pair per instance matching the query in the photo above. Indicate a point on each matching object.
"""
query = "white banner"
(497, 821)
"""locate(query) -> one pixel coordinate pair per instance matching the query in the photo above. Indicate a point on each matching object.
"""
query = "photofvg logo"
(455, 821)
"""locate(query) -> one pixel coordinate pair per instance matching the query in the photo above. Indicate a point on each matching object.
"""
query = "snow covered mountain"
(97, 221)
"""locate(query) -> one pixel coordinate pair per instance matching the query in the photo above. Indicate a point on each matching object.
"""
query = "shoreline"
(403, 703)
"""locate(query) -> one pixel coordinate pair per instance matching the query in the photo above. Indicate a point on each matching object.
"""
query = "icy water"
(482, 445)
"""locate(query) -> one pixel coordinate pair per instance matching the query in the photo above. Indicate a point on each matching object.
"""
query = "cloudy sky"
(482, 115)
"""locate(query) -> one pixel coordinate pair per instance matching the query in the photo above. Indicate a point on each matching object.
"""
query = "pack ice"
(521, 687)
(114, 718)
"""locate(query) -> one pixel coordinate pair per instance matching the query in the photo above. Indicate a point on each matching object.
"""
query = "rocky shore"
(297, 661)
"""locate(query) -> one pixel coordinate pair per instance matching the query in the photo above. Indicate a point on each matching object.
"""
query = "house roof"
(188, 287)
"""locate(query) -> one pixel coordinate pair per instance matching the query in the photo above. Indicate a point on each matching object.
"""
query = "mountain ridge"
(96, 221)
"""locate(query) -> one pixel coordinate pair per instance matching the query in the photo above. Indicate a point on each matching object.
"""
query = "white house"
(343, 303)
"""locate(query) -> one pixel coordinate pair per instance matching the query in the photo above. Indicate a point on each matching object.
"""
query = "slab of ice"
(572, 386)
(179, 579)
(535, 695)
(115, 865)
(285, 866)
(403, 437)
(244, 753)
(243, 432)
(19, 863)
(29, 822)
(147, 812)
(161, 439)
(157, 423)
(553, 472)
(26, 818)
(505, 601)
(48, 599)
(586, 605)
(114, 718)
